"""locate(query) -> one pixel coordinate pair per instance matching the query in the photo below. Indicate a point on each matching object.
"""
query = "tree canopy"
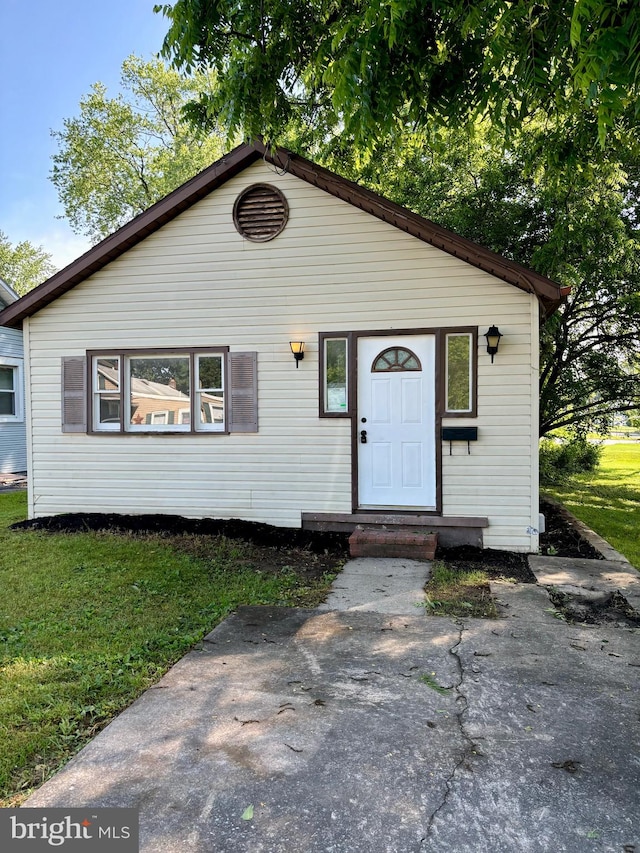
(23, 265)
(578, 227)
(121, 154)
(575, 222)
(364, 68)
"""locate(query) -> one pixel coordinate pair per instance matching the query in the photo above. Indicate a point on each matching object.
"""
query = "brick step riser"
(407, 544)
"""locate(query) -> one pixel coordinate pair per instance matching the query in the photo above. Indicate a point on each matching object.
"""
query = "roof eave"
(130, 234)
(549, 293)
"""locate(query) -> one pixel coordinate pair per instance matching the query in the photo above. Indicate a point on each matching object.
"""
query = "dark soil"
(609, 608)
(313, 553)
(497, 565)
(172, 525)
(561, 538)
(309, 554)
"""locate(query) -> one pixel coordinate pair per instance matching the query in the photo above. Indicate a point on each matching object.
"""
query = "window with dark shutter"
(192, 391)
(74, 394)
(243, 393)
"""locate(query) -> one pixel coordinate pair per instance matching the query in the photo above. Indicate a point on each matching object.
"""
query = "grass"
(608, 500)
(451, 592)
(89, 621)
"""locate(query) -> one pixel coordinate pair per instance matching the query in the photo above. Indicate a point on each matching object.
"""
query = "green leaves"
(23, 266)
(550, 202)
(121, 154)
(362, 67)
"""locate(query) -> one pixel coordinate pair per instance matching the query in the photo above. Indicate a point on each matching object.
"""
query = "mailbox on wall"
(452, 434)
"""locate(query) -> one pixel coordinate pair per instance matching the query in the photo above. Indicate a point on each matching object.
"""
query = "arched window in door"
(395, 358)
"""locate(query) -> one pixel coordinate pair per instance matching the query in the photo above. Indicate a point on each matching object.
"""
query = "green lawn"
(608, 501)
(88, 621)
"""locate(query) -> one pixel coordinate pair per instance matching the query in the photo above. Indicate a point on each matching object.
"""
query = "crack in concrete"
(470, 748)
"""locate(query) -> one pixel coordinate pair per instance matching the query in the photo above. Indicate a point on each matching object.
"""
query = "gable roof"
(548, 292)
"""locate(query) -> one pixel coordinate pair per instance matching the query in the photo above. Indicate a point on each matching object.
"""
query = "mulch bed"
(497, 565)
(174, 525)
(309, 554)
(561, 539)
(313, 553)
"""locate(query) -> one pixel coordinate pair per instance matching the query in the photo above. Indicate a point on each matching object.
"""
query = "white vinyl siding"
(197, 283)
(13, 441)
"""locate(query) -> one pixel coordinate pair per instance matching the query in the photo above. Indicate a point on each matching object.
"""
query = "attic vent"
(260, 213)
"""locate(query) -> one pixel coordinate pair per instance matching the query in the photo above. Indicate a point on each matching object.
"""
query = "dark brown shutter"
(243, 392)
(74, 394)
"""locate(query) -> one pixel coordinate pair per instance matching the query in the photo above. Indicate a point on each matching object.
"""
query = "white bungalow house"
(329, 353)
(13, 440)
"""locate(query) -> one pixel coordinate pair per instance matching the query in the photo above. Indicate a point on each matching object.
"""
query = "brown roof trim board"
(548, 292)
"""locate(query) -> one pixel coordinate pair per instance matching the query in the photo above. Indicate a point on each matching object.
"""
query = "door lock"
(363, 436)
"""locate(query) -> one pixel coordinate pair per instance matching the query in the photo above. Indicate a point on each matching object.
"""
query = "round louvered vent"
(260, 212)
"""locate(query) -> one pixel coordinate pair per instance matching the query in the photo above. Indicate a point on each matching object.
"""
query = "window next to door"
(335, 369)
(459, 353)
(458, 368)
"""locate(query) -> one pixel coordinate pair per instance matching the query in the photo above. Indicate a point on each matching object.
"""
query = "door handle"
(363, 436)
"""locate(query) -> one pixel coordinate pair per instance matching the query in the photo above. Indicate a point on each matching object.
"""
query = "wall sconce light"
(493, 341)
(297, 348)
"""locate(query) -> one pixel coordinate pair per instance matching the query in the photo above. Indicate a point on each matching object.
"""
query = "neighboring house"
(13, 440)
(396, 413)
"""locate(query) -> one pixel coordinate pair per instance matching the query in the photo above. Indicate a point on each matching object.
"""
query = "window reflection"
(107, 384)
(210, 393)
(158, 390)
(459, 373)
(178, 392)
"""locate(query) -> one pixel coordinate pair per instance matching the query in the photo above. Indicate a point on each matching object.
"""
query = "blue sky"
(51, 52)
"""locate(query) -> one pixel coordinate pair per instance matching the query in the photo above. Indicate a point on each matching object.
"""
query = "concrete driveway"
(372, 732)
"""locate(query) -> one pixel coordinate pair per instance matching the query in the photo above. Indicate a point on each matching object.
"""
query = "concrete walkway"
(581, 577)
(355, 731)
(380, 585)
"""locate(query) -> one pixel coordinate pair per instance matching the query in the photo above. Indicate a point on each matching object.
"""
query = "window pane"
(211, 408)
(108, 374)
(6, 378)
(396, 358)
(7, 403)
(335, 375)
(210, 372)
(159, 390)
(106, 384)
(459, 373)
(109, 409)
(210, 392)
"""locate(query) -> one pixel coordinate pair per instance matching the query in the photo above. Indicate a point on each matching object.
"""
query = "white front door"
(396, 422)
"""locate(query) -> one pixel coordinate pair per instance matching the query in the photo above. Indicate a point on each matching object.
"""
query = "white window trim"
(18, 389)
(199, 425)
(124, 370)
(107, 426)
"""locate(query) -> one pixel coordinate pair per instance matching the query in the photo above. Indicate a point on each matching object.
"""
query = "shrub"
(561, 458)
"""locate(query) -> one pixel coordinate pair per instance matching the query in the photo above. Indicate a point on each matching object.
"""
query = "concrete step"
(410, 544)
